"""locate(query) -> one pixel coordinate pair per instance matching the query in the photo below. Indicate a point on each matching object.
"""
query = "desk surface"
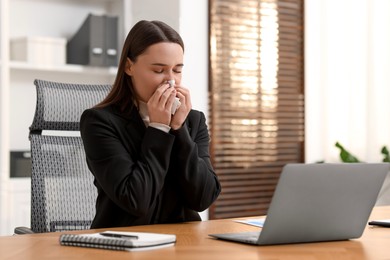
(193, 242)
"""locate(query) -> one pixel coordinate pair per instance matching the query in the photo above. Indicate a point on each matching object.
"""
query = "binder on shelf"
(95, 43)
(111, 37)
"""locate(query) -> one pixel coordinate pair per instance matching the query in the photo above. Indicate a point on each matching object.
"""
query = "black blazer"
(144, 175)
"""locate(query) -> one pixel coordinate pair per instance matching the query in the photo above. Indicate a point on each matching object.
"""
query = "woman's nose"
(170, 74)
(170, 78)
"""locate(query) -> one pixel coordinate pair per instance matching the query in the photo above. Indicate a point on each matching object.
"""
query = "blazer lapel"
(133, 126)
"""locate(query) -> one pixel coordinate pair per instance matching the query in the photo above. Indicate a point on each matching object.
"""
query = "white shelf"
(41, 18)
(67, 68)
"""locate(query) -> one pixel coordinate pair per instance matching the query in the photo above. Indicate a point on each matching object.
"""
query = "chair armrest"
(23, 230)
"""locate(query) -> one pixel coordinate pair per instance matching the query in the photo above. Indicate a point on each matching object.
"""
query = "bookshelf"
(39, 18)
(62, 18)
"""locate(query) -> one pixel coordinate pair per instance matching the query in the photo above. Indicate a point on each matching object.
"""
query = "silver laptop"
(318, 202)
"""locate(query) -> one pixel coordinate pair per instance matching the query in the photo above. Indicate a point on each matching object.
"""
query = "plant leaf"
(345, 155)
(386, 156)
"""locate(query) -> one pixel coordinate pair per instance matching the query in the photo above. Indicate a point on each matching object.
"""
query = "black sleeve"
(131, 174)
(198, 182)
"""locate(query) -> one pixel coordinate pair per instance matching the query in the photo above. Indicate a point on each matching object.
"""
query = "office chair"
(62, 192)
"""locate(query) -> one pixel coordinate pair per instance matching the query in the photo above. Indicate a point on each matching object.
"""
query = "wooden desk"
(193, 242)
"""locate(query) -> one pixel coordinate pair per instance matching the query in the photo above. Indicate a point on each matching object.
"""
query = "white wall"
(347, 79)
(167, 11)
(194, 31)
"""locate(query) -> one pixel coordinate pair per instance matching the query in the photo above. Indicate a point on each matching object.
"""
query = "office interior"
(346, 59)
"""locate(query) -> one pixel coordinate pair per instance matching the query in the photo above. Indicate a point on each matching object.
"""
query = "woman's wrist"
(176, 127)
(163, 127)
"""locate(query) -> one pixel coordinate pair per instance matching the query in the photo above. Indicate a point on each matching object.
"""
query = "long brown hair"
(141, 36)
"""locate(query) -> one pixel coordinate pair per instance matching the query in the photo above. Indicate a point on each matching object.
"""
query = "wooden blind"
(256, 99)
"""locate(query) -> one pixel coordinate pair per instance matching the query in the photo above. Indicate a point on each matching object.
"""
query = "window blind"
(256, 99)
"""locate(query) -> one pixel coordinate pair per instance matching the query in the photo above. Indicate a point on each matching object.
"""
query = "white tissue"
(171, 83)
(176, 104)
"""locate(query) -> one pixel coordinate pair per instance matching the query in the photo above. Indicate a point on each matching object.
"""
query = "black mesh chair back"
(62, 192)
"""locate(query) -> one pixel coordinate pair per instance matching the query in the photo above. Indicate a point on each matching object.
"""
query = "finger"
(184, 95)
(170, 100)
(159, 92)
(182, 90)
(168, 93)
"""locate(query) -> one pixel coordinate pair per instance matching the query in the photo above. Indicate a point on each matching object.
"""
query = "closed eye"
(162, 71)
(162, 67)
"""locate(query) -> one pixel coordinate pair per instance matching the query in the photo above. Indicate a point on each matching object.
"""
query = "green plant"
(348, 157)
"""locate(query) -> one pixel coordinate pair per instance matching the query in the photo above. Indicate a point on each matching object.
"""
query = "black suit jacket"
(144, 175)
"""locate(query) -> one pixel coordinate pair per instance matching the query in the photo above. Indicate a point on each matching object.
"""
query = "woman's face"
(159, 63)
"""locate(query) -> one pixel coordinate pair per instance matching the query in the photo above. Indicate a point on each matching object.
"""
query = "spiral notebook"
(117, 240)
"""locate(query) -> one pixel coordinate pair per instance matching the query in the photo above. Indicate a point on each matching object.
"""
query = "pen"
(118, 235)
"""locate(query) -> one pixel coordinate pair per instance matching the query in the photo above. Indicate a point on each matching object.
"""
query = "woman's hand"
(182, 112)
(160, 104)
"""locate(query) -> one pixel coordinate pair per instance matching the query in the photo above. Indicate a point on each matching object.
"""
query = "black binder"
(95, 43)
(111, 37)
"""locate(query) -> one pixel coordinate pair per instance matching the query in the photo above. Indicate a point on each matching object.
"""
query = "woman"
(150, 166)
